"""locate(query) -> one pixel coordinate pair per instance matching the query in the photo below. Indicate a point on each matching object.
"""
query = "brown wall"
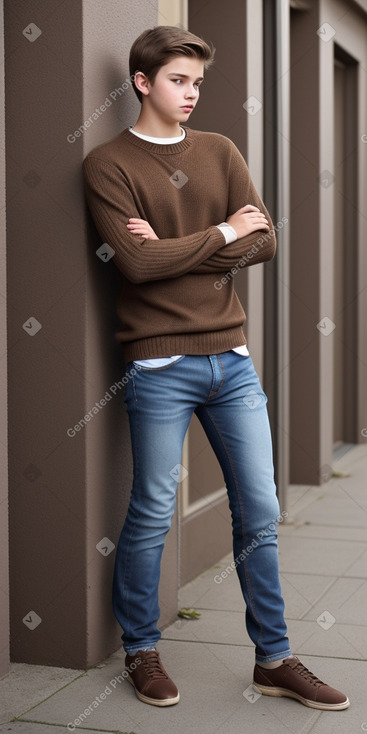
(67, 492)
(313, 251)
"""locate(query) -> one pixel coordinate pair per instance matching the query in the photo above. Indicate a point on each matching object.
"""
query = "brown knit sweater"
(177, 293)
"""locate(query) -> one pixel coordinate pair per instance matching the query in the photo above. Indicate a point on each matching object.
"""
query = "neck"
(156, 127)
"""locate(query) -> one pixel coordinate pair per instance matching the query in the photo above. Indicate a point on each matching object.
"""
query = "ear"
(142, 82)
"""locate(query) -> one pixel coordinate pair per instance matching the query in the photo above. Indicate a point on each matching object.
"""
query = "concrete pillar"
(70, 476)
(305, 343)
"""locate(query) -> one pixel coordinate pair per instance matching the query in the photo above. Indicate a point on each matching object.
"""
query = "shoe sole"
(153, 701)
(272, 691)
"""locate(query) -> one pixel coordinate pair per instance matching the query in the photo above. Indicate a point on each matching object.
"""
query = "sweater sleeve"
(256, 247)
(111, 203)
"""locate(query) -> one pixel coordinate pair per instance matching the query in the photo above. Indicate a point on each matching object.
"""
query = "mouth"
(187, 107)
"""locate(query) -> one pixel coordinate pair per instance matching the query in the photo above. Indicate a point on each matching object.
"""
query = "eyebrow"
(185, 76)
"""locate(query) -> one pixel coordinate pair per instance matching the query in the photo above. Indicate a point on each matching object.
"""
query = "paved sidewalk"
(323, 558)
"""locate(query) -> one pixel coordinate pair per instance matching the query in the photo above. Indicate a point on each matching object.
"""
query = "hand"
(248, 219)
(140, 226)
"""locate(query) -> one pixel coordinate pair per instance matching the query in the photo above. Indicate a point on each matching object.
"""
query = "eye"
(176, 80)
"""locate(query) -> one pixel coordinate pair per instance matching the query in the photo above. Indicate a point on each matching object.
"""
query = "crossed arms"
(246, 220)
(142, 256)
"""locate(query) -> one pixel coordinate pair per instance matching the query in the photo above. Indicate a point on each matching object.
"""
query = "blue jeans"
(225, 393)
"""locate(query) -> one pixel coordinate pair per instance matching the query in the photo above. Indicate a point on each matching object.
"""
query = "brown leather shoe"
(151, 682)
(294, 680)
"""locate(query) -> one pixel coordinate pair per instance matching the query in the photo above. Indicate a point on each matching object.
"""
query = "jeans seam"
(134, 389)
(242, 523)
(215, 392)
(127, 562)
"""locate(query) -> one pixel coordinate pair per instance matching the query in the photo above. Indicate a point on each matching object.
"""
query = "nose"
(192, 93)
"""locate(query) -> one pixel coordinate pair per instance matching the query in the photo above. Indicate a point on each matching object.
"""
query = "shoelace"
(306, 673)
(153, 665)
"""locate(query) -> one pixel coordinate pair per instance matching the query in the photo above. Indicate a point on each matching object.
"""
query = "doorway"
(345, 251)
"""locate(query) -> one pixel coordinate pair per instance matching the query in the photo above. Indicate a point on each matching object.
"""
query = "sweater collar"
(159, 148)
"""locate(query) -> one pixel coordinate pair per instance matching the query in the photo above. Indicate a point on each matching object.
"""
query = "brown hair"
(155, 47)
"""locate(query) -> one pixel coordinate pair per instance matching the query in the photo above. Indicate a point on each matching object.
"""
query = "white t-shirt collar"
(161, 141)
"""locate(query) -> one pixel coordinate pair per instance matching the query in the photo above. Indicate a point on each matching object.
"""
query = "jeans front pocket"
(138, 364)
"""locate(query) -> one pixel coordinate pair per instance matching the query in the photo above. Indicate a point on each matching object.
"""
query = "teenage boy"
(179, 209)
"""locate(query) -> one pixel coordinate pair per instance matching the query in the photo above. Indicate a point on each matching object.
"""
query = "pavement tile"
(298, 498)
(348, 505)
(26, 727)
(303, 500)
(302, 592)
(306, 636)
(359, 567)
(346, 600)
(356, 638)
(353, 460)
(274, 719)
(99, 699)
(339, 641)
(25, 685)
(221, 627)
(307, 529)
(326, 557)
(352, 485)
(206, 593)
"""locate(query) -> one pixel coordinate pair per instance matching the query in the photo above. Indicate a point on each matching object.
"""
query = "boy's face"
(175, 90)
